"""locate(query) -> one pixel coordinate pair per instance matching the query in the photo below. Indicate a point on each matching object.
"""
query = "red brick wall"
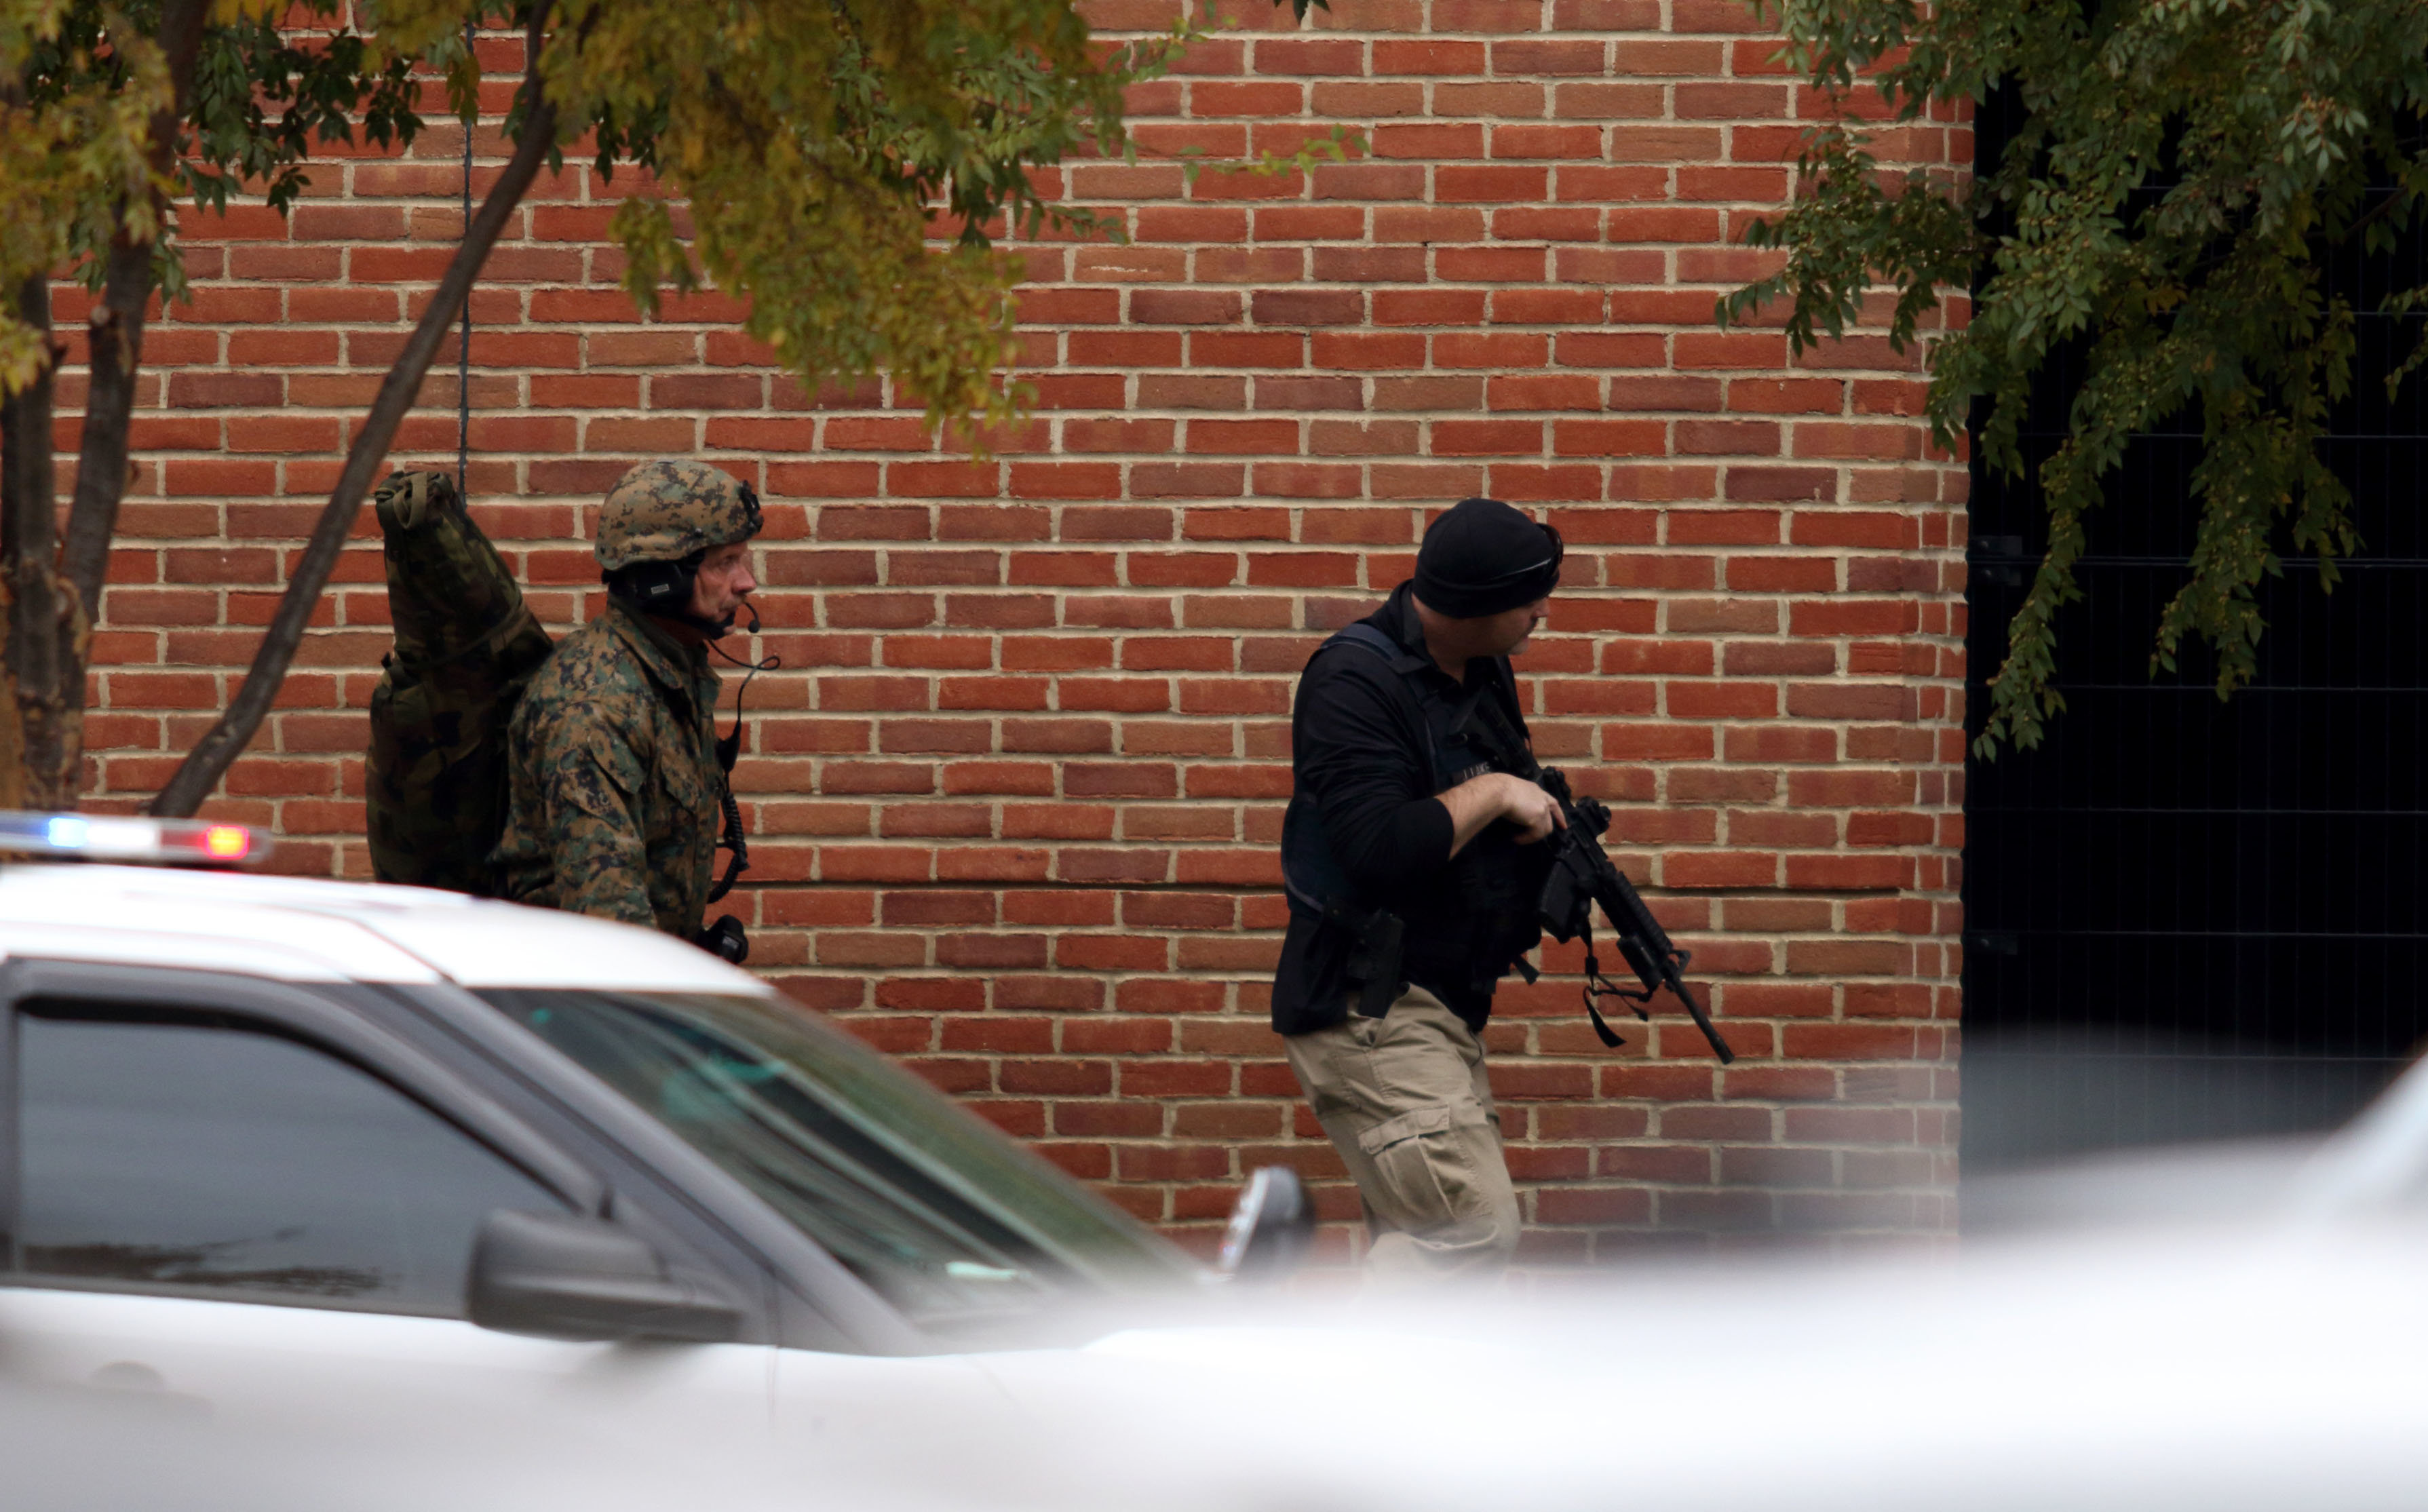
(1015, 794)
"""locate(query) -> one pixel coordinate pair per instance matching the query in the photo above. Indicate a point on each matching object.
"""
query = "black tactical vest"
(1458, 933)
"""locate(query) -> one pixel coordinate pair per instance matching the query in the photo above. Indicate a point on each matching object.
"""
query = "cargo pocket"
(1421, 1168)
(691, 792)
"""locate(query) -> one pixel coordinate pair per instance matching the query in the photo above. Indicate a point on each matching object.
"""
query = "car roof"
(306, 929)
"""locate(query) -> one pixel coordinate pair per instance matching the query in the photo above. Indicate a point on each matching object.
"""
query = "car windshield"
(946, 1216)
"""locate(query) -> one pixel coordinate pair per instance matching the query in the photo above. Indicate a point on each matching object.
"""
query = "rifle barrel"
(1641, 935)
(1703, 1020)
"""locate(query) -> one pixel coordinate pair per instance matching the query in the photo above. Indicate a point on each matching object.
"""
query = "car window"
(955, 1223)
(204, 1155)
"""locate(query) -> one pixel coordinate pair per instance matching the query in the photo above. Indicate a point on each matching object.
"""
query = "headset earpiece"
(654, 587)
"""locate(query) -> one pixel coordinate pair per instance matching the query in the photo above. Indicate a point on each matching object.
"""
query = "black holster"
(1375, 960)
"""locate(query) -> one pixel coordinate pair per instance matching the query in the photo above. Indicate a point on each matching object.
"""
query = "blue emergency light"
(114, 837)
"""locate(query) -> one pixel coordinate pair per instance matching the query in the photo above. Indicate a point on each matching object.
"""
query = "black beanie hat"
(1483, 557)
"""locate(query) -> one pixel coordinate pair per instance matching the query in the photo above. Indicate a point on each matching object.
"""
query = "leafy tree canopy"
(817, 149)
(80, 84)
(2185, 167)
(845, 166)
(819, 145)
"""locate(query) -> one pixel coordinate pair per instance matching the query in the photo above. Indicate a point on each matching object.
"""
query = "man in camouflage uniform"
(615, 788)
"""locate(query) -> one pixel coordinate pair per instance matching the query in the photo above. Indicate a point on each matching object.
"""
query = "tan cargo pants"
(1404, 1100)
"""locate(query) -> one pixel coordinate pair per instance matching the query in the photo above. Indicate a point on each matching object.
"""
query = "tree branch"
(210, 759)
(115, 339)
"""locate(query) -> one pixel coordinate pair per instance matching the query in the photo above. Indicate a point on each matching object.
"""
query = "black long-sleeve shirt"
(1363, 750)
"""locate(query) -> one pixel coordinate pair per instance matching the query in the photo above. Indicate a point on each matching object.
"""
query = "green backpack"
(465, 646)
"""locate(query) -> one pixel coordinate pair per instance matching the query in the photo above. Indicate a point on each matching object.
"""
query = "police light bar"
(111, 837)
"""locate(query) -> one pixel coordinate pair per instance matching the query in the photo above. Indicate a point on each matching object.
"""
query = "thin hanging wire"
(464, 347)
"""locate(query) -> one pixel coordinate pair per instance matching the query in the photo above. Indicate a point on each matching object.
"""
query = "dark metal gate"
(2187, 919)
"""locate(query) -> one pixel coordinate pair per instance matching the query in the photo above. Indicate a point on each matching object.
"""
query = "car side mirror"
(566, 1278)
(1272, 1226)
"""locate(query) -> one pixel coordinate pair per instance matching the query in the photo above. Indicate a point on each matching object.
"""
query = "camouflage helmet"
(668, 511)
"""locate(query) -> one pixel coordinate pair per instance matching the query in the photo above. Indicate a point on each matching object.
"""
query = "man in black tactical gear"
(1414, 873)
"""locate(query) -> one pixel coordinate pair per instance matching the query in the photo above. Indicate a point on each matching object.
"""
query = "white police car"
(302, 1165)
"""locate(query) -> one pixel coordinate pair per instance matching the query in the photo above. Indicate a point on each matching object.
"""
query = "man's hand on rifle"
(1479, 800)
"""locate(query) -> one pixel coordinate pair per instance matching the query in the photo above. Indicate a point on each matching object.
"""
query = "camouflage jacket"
(612, 777)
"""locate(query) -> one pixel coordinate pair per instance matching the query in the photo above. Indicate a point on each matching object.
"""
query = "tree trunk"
(37, 716)
(210, 761)
(64, 580)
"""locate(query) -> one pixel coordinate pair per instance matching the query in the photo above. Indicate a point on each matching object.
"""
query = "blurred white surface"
(2217, 1330)
(2212, 1371)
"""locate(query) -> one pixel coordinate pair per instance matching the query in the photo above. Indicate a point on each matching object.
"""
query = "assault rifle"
(1583, 875)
